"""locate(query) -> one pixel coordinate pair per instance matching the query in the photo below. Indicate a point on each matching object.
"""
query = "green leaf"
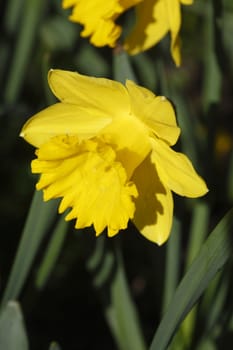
(52, 252)
(213, 303)
(122, 67)
(107, 268)
(212, 74)
(214, 253)
(198, 231)
(89, 61)
(58, 34)
(172, 268)
(14, 9)
(207, 344)
(40, 218)
(32, 11)
(12, 331)
(144, 67)
(54, 346)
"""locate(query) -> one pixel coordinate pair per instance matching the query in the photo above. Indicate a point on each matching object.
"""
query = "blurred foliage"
(61, 276)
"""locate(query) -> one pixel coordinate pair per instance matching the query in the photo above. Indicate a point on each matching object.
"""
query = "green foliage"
(40, 217)
(214, 253)
(123, 293)
(12, 329)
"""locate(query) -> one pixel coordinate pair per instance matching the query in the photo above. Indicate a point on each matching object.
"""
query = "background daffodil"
(98, 18)
(105, 150)
(154, 19)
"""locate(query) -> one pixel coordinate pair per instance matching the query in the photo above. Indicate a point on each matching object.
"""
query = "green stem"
(52, 252)
(214, 253)
(172, 264)
(107, 268)
(25, 43)
(122, 68)
(198, 231)
(13, 12)
(212, 73)
(40, 217)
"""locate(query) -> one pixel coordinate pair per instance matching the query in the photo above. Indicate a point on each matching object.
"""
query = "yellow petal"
(154, 204)
(63, 119)
(176, 171)
(90, 182)
(68, 3)
(153, 20)
(98, 18)
(106, 33)
(95, 94)
(155, 111)
(174, 19)
(186, 2)
(151, 26)
(130, 139)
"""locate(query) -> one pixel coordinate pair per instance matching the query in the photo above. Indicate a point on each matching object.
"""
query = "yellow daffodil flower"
(105, 149)
(154, 19)
(98, 18)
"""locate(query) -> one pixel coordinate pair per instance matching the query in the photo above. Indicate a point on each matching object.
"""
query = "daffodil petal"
(68, 3)
(98, 18)
(106, 33)
(176, 171)
(174, 19)
(186, 2)
(94, 94)
(151, 26)
(154, 204)
(66, 119)
(90, 182)
(130, 138)
(155, 111)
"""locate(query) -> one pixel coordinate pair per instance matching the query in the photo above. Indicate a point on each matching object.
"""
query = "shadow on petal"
(154, 204)
(151, 26)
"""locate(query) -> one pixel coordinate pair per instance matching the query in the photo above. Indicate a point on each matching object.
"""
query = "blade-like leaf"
(214, 253)
(52, 252)
(212, 78)
(172, 268)
(40, 217)
(109, 278)
(12, 331)
(122, 67)
(54, 346)
(32, 11)
(198, 231)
